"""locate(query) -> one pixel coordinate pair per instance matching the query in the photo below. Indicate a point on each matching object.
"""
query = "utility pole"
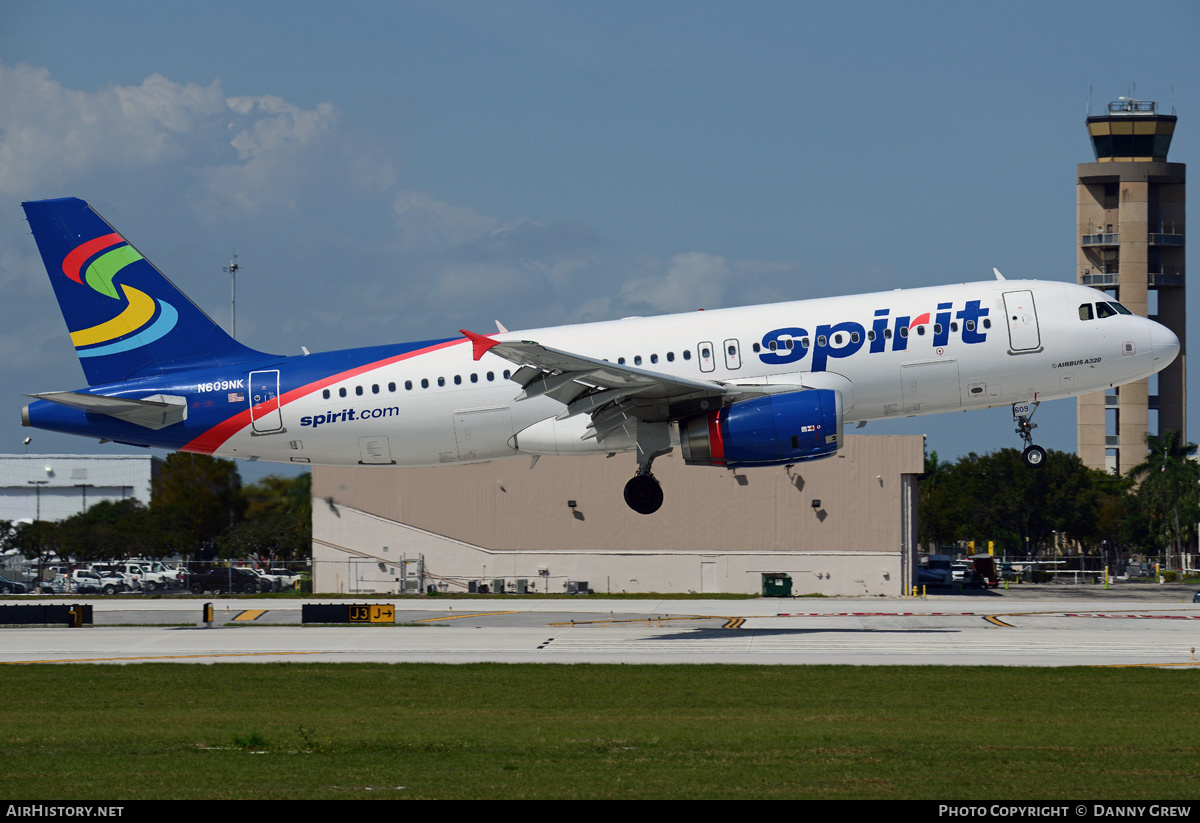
(232, 268)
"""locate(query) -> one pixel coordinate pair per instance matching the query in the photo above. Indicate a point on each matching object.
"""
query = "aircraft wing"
(612, 393)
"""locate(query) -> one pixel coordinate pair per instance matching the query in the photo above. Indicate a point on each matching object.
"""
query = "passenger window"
(687, 354)
(887, 334)
(1085, 312)
(954, 326)
(871, 334)
(789, 344)
(458, 379)
(474, 378)
(358, 390)
(374, 388)
(342, 392)
(391, 386)
(937, 328)
(491, 376)
(507, 374)
(921, 330)
(424, 382)
(654, 358)
(804, 343)
(970, 325)
(987, 323)
(441, 381)
(325, 394)
(620, 361)
(822, 340)
(904, 331)
(854, 338)
(637, 360)
(408, 385)
(670, 357)
(773, 346)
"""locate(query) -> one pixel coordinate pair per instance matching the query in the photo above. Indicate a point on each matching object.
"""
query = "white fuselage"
(1022, 341)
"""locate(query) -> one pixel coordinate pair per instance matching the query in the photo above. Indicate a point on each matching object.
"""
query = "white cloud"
(692, 280)
(50, 135)
(427, 224)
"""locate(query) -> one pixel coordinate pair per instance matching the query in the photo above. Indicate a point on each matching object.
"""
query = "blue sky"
(393, 171)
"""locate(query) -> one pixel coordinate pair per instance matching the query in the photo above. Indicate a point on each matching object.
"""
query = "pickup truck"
(224, 581)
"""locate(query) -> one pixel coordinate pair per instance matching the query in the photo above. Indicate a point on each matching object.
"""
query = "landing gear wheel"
(643, 494)
(1034, 457)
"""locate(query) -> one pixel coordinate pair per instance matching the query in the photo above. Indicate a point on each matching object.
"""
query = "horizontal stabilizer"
(155, 412)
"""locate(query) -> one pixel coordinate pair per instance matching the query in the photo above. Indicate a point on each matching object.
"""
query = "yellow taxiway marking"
(463, 616)
(1114, 614)
(157, 657)
(251, 614)
(734, 623)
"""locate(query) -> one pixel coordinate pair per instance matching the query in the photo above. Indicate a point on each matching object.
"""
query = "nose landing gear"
(1034, 456)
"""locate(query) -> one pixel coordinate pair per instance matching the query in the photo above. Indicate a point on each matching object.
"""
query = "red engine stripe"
(716, 445)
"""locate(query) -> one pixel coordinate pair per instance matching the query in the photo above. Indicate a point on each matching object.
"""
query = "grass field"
(530, 731)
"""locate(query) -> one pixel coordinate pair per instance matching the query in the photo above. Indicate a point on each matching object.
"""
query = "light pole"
(232, 268)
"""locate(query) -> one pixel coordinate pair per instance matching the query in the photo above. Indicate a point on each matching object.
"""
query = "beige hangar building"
(845, 525)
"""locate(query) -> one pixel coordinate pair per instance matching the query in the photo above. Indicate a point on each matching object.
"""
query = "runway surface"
(1092, 630)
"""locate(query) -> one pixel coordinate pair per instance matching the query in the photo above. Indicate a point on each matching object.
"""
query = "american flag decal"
(237, 397)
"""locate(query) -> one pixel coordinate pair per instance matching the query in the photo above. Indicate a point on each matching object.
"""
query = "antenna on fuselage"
(999, 276)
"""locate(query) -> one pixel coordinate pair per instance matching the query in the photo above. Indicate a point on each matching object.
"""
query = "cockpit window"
(1105, 310)
(1085, 311)
(1119, 307)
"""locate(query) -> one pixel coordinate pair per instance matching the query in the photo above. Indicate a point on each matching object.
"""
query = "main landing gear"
(643, 494)
(1034, 456)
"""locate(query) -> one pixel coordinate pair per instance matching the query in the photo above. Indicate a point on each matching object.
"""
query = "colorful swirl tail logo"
(144, 320)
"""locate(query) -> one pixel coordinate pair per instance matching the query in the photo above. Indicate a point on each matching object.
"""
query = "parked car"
(91, 581)
(172, 576)
(224, 581)
(270, 582)
(12, 587)
(287, 577)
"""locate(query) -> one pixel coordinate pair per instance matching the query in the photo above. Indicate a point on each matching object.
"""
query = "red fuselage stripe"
(215, 437)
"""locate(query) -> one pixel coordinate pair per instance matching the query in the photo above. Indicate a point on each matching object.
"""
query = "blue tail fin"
(125, 317)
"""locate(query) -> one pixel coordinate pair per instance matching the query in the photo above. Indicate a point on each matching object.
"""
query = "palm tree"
(1168, 461)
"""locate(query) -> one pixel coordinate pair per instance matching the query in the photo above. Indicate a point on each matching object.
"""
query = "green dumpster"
(776, 584)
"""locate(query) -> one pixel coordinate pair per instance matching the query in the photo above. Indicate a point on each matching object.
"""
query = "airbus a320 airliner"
(754, 386)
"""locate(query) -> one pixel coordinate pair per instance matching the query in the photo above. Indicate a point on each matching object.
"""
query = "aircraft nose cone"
(1164, 343)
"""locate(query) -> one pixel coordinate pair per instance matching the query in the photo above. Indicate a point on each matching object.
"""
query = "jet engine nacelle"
(773, 430)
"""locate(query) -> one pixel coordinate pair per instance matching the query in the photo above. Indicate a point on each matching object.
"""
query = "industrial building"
(52, 487)
(1130, 217)
(845, 525)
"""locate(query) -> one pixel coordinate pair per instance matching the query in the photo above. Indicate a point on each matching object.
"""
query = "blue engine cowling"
(773, 430)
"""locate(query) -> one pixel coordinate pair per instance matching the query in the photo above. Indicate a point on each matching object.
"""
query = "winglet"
(481, 343)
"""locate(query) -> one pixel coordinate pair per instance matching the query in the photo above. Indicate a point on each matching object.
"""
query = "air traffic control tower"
(1130, 225)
